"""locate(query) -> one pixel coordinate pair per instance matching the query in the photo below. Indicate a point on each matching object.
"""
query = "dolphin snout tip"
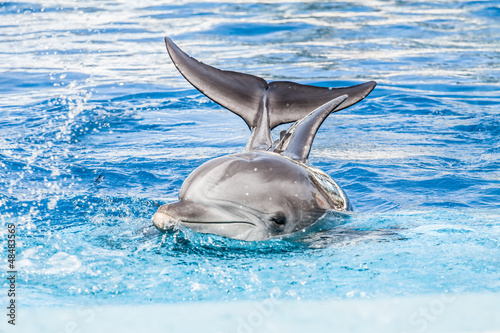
(164, 221)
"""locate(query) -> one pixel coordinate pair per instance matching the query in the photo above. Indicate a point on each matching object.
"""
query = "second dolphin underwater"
(270, 189)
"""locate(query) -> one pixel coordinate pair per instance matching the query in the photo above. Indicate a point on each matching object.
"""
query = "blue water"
(97, 129)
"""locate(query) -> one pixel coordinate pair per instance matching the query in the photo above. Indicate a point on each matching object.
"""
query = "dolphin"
(270, 189)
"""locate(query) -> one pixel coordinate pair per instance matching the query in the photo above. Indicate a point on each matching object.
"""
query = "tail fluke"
(249, 96)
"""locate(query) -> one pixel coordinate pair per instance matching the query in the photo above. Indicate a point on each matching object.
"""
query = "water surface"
(97, 129)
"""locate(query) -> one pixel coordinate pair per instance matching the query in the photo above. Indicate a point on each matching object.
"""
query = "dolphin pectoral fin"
(297, 141)
(248, 95)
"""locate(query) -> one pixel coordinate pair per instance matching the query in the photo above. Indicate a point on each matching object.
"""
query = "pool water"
(98, 129)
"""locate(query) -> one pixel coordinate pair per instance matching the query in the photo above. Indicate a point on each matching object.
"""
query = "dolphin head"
(247, 196)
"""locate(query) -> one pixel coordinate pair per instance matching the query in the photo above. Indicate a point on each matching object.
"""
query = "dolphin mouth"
(227, 220)
(223, 228)
(232, 229)
(222, 222)
(165, 222)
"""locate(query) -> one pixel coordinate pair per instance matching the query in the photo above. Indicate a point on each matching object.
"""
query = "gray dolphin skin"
(270, 189)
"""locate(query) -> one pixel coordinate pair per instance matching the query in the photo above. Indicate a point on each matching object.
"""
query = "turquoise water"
(97, 129)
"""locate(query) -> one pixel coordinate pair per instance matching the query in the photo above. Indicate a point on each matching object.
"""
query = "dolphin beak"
(204, 219)
(164, 221)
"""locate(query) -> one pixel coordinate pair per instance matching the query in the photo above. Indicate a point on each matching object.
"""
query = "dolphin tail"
(257, 101)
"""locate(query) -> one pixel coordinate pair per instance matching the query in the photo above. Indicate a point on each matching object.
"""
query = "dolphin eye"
(279, 219)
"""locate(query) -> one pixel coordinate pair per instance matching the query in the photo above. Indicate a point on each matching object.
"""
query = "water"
(98, 129)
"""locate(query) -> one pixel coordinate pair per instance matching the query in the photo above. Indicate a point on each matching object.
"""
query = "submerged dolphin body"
(269, 189)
